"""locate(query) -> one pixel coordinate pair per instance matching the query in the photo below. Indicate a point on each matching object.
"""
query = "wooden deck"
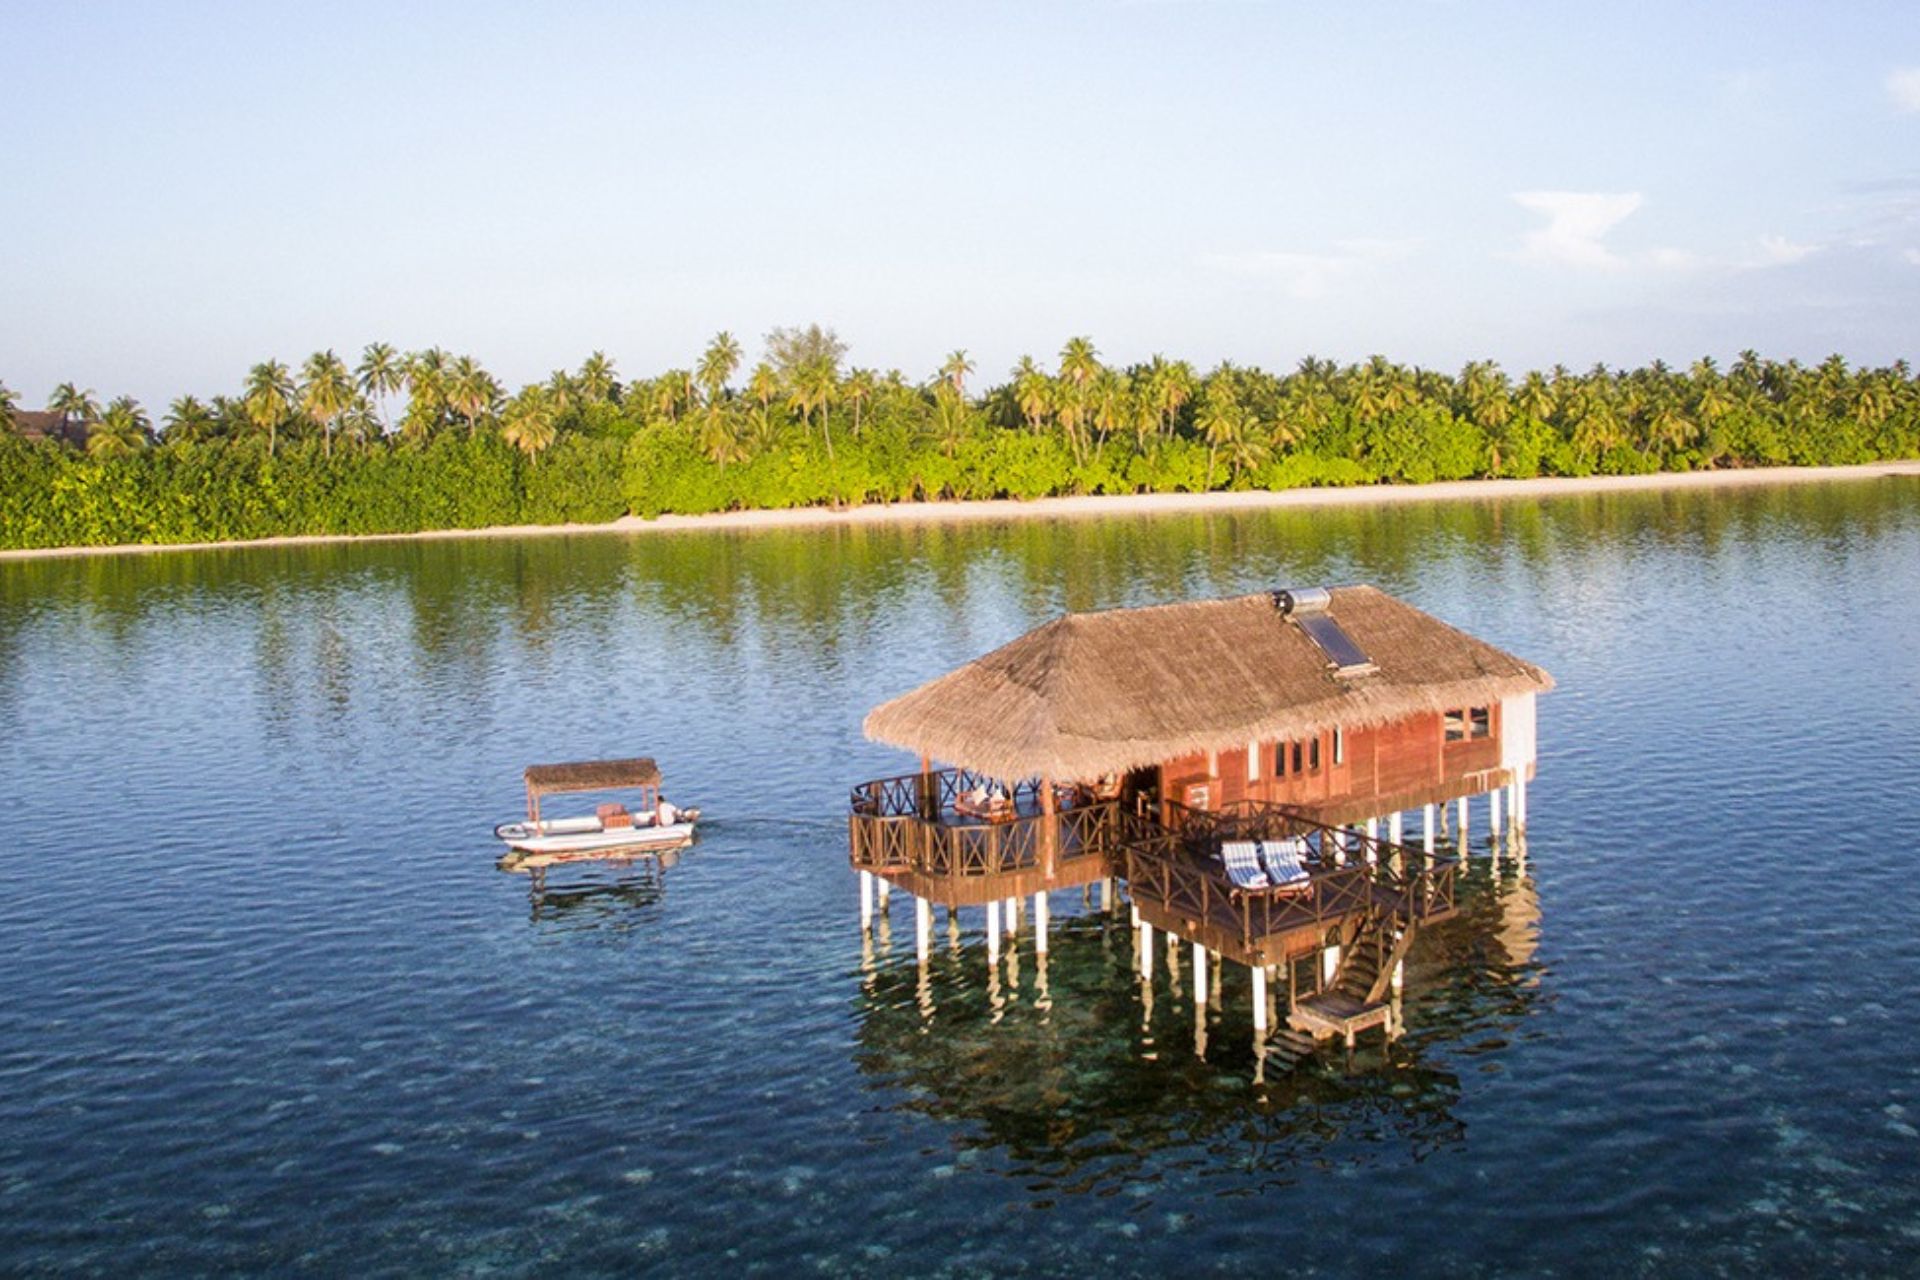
(1178, 884)
(1335, 1013)
(908, 830)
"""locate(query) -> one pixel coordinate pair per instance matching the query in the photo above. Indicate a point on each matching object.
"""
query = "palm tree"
(597, 382)
(955, 371)
(121, 430)
(269, 399)
(189, 420)
(326, 392)
(427, 391)
(381, 373)
(720, 437)
(814, 384)
(1032, 391)
(9, 400)
(1222, 422)
(858, 392)
(73, 405)
(471, 391)
(529, 423)
(718, 364)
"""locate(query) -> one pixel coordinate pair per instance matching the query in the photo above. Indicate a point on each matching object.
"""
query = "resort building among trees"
(1245, 765)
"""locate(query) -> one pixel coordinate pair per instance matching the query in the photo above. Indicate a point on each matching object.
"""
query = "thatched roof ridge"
(1095, 693)
(592, 775)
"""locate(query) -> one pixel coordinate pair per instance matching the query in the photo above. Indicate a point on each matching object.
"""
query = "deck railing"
(1177, 865)
(909, 823)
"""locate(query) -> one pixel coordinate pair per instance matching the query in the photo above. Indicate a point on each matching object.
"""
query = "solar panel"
(1348, 658)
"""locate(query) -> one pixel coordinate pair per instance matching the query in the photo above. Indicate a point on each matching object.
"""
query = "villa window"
(1339, 745)
(1480, 722)
(1456, 723)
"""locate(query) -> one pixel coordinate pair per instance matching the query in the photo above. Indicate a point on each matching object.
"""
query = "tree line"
(396, 441)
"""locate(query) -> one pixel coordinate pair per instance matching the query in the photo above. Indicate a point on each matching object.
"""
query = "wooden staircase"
(1356, 999)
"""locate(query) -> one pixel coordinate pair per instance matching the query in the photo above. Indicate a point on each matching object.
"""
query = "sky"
(195, 187)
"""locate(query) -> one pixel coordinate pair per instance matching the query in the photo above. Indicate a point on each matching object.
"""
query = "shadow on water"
(1084, 1078)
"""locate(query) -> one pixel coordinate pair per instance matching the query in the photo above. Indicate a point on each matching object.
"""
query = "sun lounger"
(1285, 863)
(1242, 859)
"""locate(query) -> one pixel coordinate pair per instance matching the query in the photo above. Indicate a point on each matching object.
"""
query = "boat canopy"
(588, 775)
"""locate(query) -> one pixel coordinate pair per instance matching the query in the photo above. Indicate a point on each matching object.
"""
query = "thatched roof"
(1096, 693)
(592, 775)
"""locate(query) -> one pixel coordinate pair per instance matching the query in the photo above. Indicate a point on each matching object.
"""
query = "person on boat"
(666, 815)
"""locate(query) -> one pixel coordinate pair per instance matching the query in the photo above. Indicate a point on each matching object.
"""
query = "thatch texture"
(591, 775)
(1096, 693)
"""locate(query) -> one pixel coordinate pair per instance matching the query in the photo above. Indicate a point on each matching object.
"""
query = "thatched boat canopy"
(591, 775)
(1097, 693)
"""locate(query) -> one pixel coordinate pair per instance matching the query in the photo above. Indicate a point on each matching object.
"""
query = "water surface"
(269, 1006)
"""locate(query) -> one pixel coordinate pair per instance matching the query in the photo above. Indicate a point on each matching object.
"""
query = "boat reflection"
(602, 895)
(1081, 1074)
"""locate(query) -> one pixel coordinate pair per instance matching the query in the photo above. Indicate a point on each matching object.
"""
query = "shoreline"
(1010, 509)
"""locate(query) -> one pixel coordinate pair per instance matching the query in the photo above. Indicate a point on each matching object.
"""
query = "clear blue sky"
(194, 187)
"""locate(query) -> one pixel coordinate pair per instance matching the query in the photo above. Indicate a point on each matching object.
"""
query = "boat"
(652, 826)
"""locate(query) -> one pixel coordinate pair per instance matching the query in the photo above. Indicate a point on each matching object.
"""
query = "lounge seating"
(1284, 863)
(988, 806)
(1242, 859)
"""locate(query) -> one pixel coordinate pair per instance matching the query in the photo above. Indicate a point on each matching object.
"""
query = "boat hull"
(583, 839)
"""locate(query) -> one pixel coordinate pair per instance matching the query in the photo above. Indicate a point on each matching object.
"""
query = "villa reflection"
(1082, 1073)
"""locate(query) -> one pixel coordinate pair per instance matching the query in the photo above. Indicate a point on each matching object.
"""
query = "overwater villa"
(1245, 766)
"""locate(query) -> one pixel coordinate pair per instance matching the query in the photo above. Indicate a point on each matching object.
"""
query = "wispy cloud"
(1903, 86)
(1578, 223)
(1912, 255)
(1307, 276)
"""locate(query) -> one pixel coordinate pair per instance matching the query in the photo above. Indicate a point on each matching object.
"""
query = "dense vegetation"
(315, 451)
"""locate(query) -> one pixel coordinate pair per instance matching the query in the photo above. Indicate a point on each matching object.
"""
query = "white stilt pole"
(1463, 824)
(1426, 815)
(1399, 975)
(1393, 827)
(1373, 828)
(1373, 834)
(1040, 909)
(1259, 998)
(922, 927)
(993, 930)
(1146, 951)
(866, 899)
(1106, 894)
(1010, 914)
(1493, 815)
(1199, 974)
(885, 886)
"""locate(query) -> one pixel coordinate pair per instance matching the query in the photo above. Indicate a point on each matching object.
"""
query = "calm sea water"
(268, 1006)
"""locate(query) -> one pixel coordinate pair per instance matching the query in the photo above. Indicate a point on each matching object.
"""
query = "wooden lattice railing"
(1178, 866)
(909, 823)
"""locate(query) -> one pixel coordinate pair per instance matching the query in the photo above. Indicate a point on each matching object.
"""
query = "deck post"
(1199, 974)
(1463, 826)
(885, 886)
(1146, 951)
(922, 927)
(1372, 853)
(1106, 895)
(1010, 913)
(1040, 909)
(1493, 814)
(866, 900)
(993, 930)
(1426, 815)
(1049, 830)
(1394, 829)
(1259, 998)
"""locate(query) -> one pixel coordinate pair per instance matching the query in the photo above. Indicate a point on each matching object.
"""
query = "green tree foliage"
(315, 455)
